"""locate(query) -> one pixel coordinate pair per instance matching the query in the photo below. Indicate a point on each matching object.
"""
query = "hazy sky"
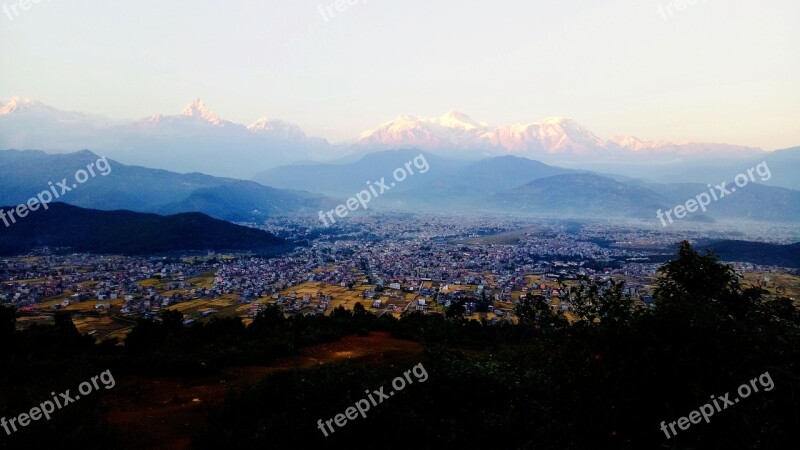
(719, 70)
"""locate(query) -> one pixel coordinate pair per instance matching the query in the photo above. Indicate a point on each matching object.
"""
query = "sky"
(723, 71)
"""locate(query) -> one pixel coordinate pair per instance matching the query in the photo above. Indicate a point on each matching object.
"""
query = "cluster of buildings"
(395, 262)
(29, 282)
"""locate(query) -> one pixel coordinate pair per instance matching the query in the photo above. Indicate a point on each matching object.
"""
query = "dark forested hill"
(127, 232)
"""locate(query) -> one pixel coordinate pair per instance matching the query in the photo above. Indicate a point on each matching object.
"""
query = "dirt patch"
(164, 413)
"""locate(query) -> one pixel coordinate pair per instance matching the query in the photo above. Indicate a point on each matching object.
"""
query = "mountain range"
(198, 140)
(517, 185)
(345, 179)
(548, 139)
(502, 184)
(27, 173)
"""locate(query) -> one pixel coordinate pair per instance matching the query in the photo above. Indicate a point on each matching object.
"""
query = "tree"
(535, 310)
(268, 320)
(172, 320)
(8, 321)
(702, 276)
(64, 326)
(700, 286)
(341, 314)
(456, 310)
(602, 302)
(359, 310)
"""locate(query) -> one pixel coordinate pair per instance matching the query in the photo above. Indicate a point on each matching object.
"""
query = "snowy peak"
(453, 129)
(552, 135)
(195, 114)
(197, 120)
(633, 143)
(561, 125)
(455, 119)
(198, 110)
(21, 111)
(458, 130)
(555, 139)
(28, 123)
(19, 105)
(452, 120)
(277, 128)
(555, 120)
(680, 149)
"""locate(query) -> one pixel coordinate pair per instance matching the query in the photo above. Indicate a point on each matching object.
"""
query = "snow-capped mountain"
(29, 124)
(457, 130)
(453, 129)
(553, 135)
(554, 140)
(681, 149)
(198, 110)
(19, 108)
(198, 139)
(194, 120)
(19, 105)
(277, 128)
(194, 140)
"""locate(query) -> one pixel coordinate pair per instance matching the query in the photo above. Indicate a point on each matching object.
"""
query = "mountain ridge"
(192, 140)
(146, 190)
(131, 233)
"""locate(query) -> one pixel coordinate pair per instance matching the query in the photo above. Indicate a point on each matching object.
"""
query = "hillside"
(755, 252)
(483, 178)
(26, 173)
(130, 233)
(347, 179)
(578, 195)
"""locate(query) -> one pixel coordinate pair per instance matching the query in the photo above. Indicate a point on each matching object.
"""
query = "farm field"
(778, 284)
(225, 306)
(103, 327)
(104, 322)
